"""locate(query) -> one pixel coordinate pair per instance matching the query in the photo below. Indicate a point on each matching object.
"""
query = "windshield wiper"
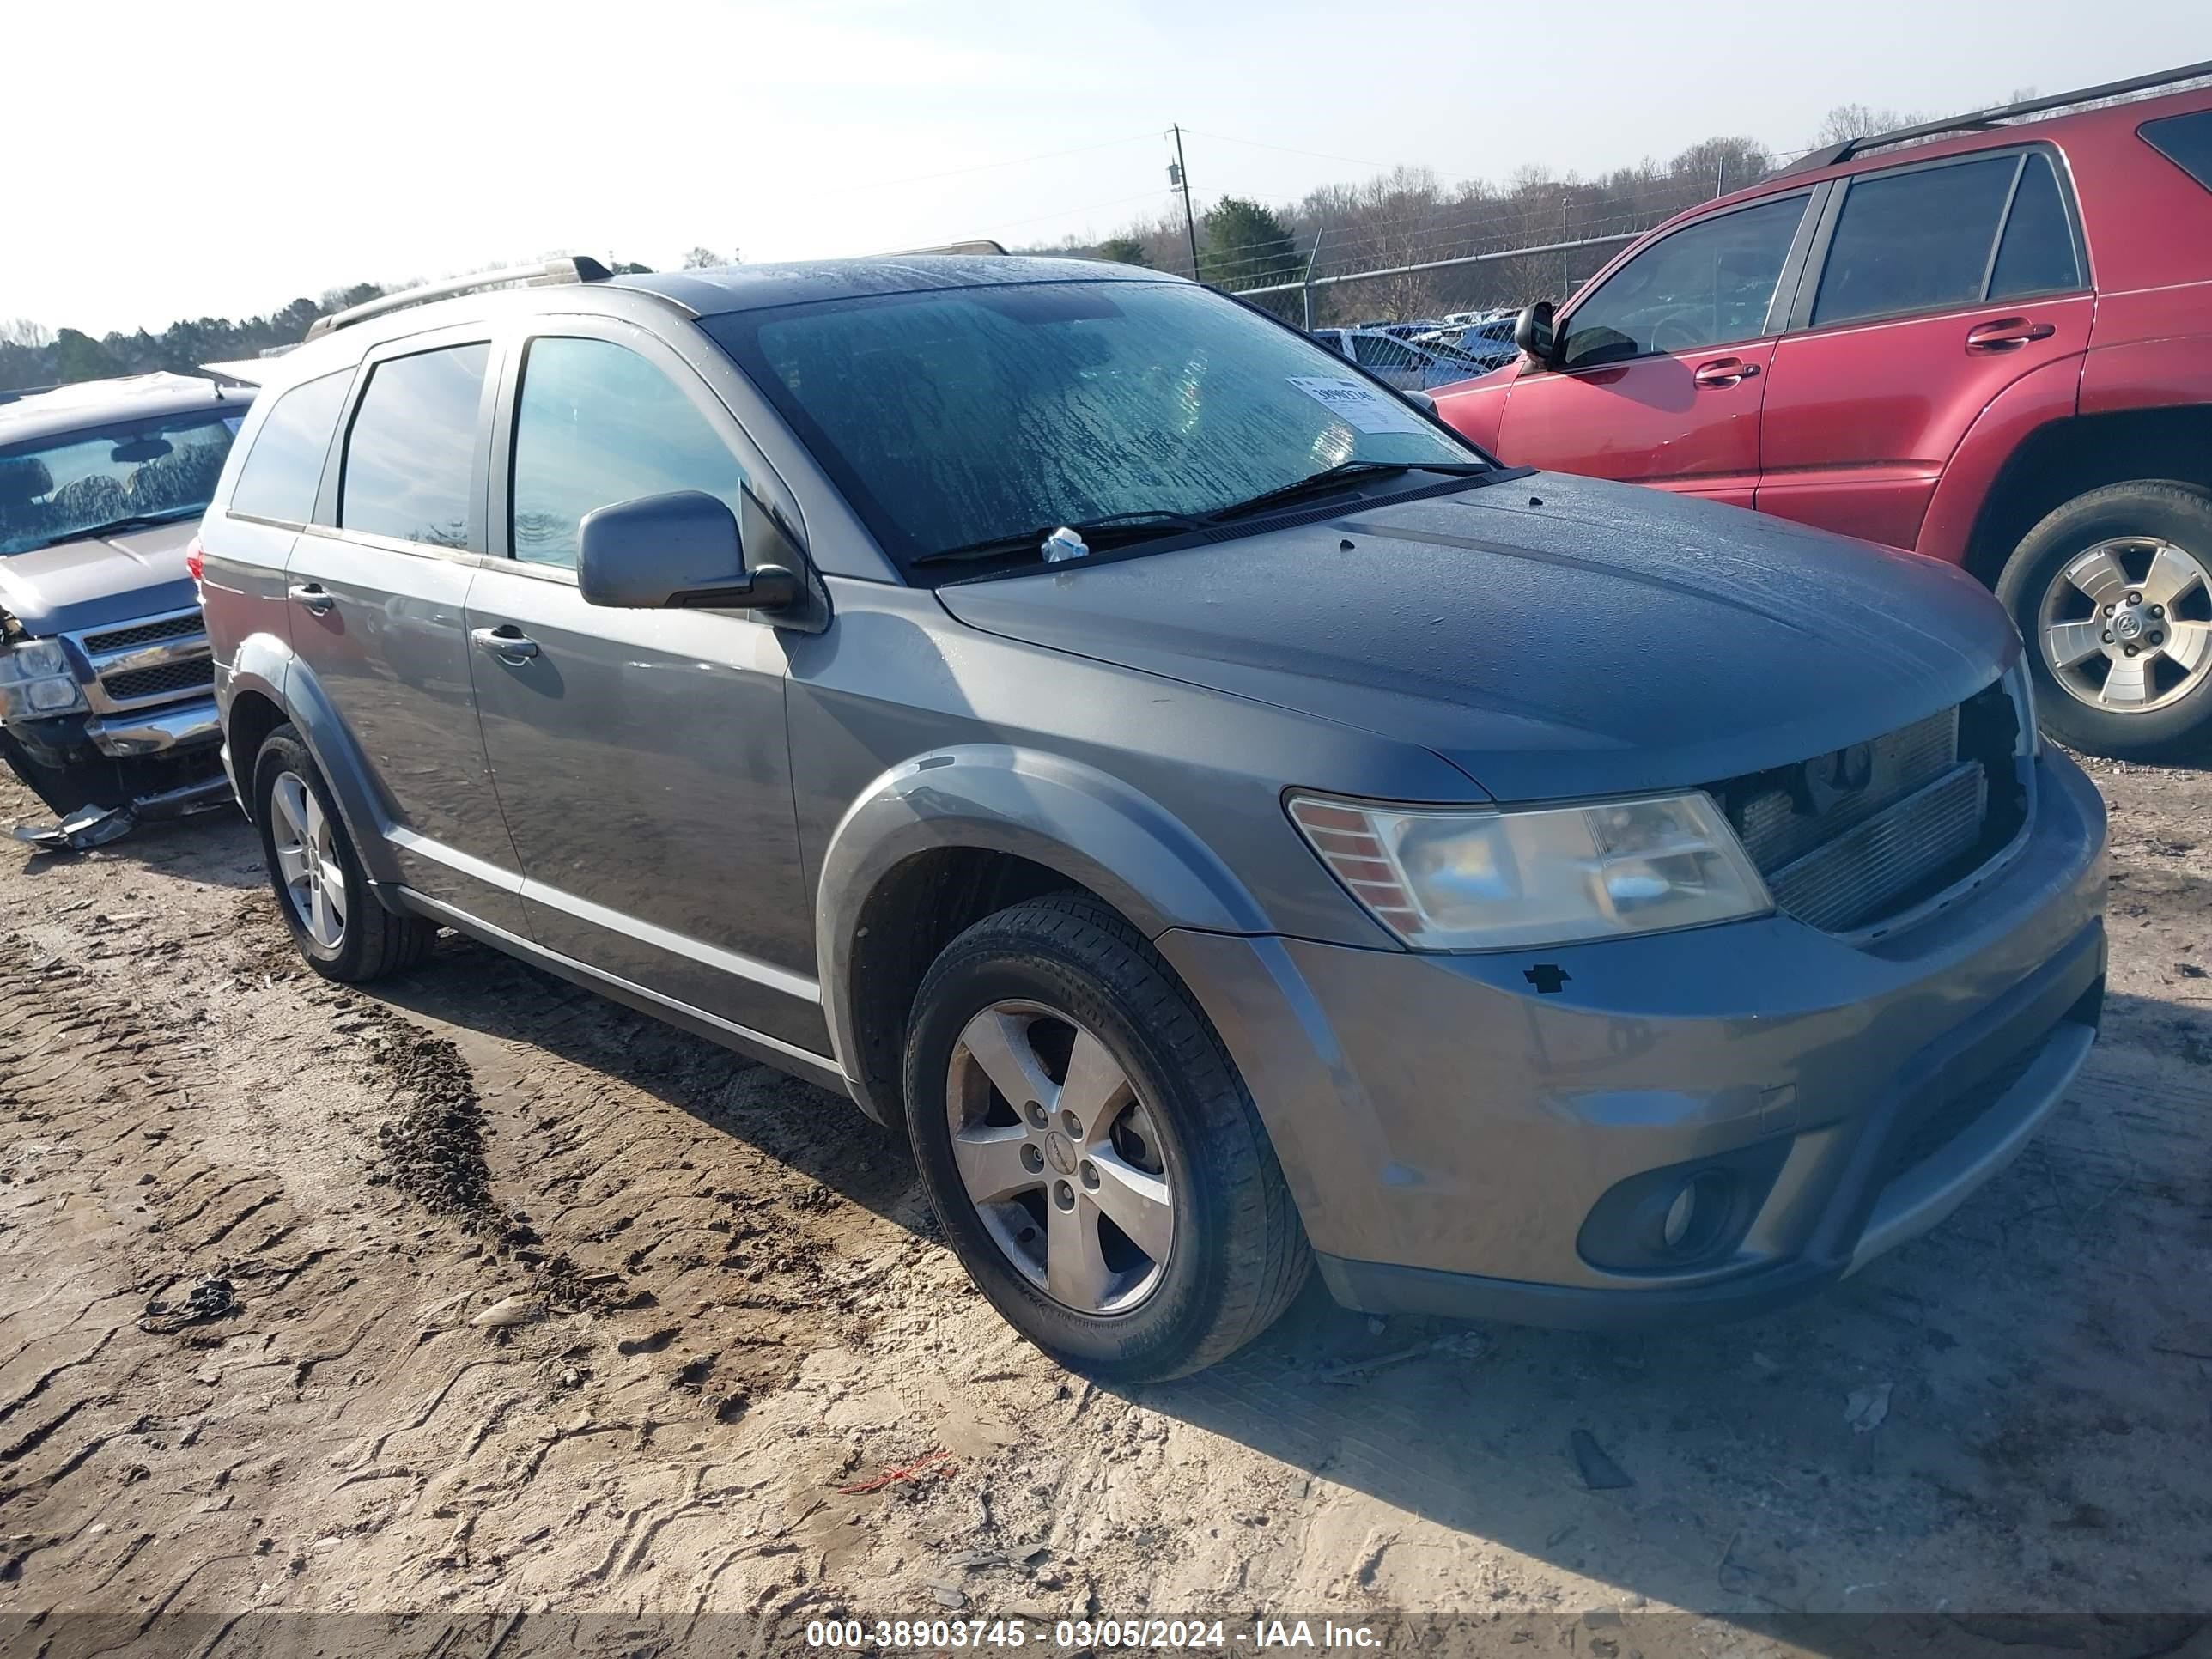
(130, 521)
(1332, 477)
(1122, 528)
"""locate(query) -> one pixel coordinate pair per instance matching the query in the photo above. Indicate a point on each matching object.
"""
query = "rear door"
(376, 589)
(640, 754)
(1661, 367)
(1931, 288)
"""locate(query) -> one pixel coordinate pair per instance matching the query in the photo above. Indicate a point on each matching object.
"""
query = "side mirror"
(1533, 333)
(662, 552)
(1422, 401)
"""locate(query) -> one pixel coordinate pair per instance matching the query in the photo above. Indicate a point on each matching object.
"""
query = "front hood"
(1611, 639)
(102, 580)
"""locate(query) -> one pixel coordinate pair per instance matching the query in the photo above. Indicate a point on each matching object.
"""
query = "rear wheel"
(1089, 1150)
(340, 927)
(2112, 593)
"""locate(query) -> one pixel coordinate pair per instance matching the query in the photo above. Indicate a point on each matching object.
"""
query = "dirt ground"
(538, 1306)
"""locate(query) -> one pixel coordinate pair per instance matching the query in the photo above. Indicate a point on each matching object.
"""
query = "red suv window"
(2185, 141)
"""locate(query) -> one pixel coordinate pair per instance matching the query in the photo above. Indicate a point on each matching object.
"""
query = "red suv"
(1993, 347)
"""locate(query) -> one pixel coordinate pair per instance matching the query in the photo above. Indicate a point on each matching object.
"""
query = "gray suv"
(1231, 823)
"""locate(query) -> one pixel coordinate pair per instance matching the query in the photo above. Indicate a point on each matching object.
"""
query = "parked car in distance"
(1217, 856)
(1400, 363)
(1994, 347)
(107, 686)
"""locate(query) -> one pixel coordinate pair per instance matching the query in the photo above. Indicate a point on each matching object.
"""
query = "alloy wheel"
(2126, 626)
(307, 860)
(1061, 1158)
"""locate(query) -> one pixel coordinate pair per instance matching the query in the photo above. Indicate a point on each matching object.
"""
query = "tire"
(369, 941)
(2073, 703)
(1236, 1256)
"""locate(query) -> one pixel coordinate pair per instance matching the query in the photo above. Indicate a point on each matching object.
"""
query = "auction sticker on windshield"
(1360, 406)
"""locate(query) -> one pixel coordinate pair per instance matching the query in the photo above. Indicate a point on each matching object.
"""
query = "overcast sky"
(225, 156)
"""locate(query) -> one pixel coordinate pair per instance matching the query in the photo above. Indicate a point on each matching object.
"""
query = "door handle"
(1725, 371)
(311, 595)
(506, 643)
(2007, 334)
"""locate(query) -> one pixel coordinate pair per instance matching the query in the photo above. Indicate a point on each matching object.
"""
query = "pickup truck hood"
(1551, 636)
(102, 580)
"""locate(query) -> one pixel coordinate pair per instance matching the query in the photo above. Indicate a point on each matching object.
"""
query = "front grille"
(152, 633)
(1852, 878)
(191, 675)
(1921, 1139)
(1846, 840)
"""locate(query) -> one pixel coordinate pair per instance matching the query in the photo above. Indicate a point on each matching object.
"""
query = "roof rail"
(980, 244)
(1833, 155)
(580, 269)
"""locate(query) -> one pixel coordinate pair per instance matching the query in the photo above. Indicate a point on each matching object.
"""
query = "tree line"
(1410, 218)
(33, 356)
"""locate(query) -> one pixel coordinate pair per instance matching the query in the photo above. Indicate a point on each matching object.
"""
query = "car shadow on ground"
(1958, 1413)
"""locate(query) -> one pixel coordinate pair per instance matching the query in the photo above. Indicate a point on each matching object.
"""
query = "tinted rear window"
(412, 459)
(2037, 254)
(284, 467)
(2185, 141)
(1914, 241)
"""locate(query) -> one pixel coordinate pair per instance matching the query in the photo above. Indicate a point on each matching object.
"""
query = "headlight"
(33, 660)
(1482, 879)
(35, 681)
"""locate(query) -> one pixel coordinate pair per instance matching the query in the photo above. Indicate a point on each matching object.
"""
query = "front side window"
(597, 424)
(124, 476)
(1707, 284)
(284, 468)
(410, 459)
(954, 418)
(1914, 241)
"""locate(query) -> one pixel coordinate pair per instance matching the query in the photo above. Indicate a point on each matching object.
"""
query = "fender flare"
(266, 665)
(1090, 827)
(2037, 399)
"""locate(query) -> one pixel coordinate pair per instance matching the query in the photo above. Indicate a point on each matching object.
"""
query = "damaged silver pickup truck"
(107, 702)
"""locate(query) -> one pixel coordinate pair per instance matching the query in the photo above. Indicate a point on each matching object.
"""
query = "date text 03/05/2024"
(1079, 1634)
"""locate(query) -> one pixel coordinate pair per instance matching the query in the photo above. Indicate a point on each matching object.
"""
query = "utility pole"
(1179, 178)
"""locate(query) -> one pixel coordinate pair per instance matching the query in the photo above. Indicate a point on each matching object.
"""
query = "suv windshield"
(124, 475)
(958, 417)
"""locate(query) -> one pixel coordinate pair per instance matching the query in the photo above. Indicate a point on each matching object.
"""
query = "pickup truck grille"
(187, 676)
(181, 626)
(1847, 840)
(147, 662)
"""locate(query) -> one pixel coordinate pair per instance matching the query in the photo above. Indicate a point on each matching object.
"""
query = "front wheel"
(1089, 1150)
(2112, 593)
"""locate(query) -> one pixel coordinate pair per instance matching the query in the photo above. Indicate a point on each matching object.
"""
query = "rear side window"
(2037, 255)
(1914, 241)
(284, 468)
(2185, 141)
(597, 424)
(411, 457)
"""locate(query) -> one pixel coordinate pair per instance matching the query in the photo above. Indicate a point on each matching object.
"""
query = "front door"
(376, 597)
(640, 754)
(1662, 367)
(1941, 284)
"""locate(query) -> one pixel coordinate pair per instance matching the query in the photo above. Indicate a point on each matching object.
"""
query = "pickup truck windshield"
(124, 474)
(956, 417)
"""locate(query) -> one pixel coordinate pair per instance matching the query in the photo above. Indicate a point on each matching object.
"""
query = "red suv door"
(1930, 287)
(1660, 367)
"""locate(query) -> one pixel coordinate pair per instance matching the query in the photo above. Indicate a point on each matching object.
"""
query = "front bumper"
(161, 760)
(1447, 1129)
